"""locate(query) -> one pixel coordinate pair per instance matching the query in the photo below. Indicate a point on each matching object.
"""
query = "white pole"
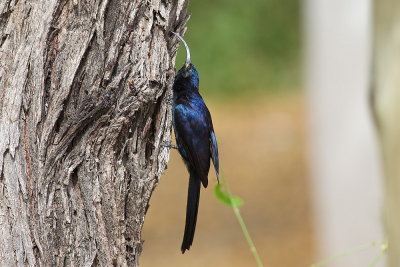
(344, 163)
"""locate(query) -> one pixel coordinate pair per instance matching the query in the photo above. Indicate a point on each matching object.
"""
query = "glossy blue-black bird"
(195, 139)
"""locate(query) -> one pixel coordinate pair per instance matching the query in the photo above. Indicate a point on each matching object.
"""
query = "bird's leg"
(168, 145)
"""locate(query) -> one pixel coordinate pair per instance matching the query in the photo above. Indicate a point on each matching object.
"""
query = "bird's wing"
(214, 153)
(193, 136)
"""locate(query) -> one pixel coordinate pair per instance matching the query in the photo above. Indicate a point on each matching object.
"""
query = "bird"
(195, 139)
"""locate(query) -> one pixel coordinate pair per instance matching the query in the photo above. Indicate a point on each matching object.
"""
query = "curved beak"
(188, 60)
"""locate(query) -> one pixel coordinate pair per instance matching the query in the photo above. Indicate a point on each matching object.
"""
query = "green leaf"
(226, 198)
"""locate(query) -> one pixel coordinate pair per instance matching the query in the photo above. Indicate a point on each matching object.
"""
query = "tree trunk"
(84, 106)
(386, 107)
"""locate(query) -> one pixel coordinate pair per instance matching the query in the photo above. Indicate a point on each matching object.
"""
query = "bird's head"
(187, 77)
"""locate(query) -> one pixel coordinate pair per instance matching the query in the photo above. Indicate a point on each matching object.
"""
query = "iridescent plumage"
(195, 139)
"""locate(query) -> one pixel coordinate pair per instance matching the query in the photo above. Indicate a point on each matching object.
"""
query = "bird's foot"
(168, 145)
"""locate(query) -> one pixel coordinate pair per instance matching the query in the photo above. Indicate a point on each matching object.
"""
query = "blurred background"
(287, 85)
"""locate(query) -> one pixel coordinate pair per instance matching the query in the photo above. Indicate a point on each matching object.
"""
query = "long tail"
(191, 212)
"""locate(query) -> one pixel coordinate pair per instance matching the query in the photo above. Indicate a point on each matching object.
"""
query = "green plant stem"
(346, 253)
(384, 247)
(246, 233)
(377, 259)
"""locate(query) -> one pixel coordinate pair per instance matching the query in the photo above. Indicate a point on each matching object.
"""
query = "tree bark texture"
(386, 107)
(84, 105)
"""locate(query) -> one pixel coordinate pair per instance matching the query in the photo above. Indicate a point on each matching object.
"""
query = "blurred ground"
(263, 156)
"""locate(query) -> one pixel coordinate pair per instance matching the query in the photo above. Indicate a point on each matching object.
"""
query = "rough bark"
(386, 107)
(84, 106)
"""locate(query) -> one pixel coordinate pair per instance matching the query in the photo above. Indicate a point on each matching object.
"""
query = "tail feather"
(191, 212)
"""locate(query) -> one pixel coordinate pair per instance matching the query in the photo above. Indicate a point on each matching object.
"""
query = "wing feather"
(214, 153)
(193, 139)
